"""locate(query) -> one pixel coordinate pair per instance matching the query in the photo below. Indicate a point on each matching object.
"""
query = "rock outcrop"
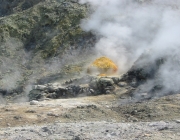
(85, 86)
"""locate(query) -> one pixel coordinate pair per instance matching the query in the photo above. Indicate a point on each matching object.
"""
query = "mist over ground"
(130, 28)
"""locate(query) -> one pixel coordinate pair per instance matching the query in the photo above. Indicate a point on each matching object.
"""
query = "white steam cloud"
(128, 28)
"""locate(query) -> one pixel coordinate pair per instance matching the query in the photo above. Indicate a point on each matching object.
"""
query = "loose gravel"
(94, 131)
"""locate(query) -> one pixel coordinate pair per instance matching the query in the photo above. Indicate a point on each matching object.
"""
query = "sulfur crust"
(104, 65)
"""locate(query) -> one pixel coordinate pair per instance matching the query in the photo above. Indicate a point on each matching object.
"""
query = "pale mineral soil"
(93, 117)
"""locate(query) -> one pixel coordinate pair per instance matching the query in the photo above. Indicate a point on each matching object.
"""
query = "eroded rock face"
(85, 86)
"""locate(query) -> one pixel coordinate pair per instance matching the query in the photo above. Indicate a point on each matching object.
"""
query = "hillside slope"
(39, 37)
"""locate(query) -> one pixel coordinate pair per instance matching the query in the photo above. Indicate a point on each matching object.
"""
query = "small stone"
(34, 102)
(45, 129)
(177, 121)
(52, 114)
(91, 91)
(17, 117)
(76, 138)
(144, 94)
(41, 87)
(108, 135)
(108, 91)
(8, 124)
(135, 120)
(113, 134)
(122, 84)
(30, 111)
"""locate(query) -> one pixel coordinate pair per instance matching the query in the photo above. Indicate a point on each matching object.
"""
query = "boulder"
(105, 82)
(35, 94)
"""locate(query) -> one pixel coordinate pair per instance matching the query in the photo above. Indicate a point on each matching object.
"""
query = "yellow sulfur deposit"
(102, 66)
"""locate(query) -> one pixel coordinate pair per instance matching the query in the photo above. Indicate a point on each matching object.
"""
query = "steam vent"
(89, 69)
(102, 66)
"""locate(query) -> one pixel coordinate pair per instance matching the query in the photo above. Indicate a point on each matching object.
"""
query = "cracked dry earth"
(95, 117)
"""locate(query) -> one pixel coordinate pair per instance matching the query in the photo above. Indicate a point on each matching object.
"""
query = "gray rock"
(91, 91)
(34, 102)
(35, 94)
(76, 138)
(108, 91)
(115, 79)
(122, 84)
(106, 81)
(39, 87)
(177, 121)
(94, 84)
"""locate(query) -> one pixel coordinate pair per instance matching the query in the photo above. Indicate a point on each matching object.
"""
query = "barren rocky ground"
(95, 117)
(46, 92)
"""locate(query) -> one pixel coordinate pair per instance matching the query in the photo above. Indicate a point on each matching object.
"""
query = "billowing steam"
(128, 28)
